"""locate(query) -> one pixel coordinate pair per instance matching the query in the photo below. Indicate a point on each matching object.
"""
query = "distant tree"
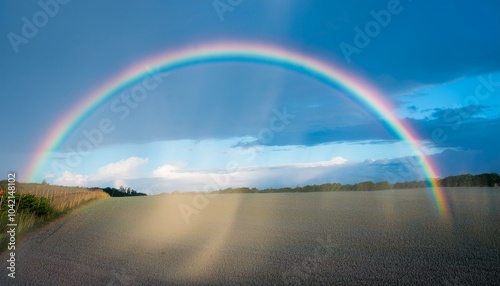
(409, 185)
(122, 192)
(466, 180)
(380, 186)
(365, 186)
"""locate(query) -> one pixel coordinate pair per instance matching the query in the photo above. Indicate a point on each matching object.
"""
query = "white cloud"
(119, 182)
(115, 174)
(164, 171)
(173, 176)
(71, 179)
(332, 162)
(127, 167)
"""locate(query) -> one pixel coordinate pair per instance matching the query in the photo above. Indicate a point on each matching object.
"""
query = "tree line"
(467, 180)
(122, 192)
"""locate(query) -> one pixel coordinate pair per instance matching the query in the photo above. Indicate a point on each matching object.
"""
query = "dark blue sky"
(437, 61)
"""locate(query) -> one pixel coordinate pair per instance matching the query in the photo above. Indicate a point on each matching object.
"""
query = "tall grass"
(39, 203)
(61, 198)
(26, 221)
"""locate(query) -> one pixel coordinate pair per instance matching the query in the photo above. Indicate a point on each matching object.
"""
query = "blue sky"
(438, 63)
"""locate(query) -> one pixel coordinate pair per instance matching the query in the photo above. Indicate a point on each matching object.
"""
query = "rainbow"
(361, 91)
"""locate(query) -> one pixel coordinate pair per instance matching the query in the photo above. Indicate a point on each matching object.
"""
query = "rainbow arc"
(358, 89)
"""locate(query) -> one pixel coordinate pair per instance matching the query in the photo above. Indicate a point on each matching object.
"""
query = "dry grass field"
(61, 199)
(351, 238)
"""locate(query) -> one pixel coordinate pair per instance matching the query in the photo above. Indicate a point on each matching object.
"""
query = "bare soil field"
(378, 237)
